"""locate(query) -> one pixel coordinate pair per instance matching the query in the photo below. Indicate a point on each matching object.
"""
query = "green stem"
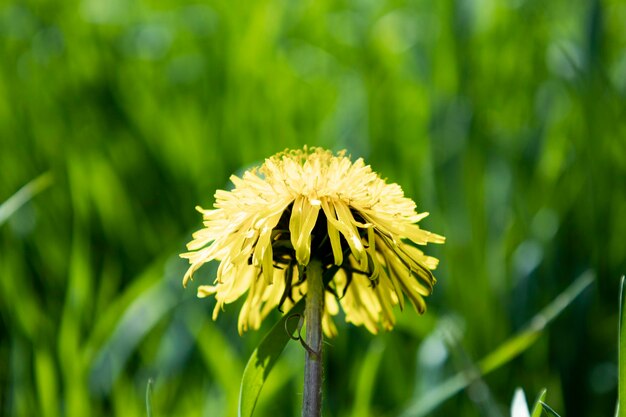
(312, 401)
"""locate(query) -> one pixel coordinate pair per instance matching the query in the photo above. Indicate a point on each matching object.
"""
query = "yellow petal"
(295, 220)
(206, 290)
(303, 245)
(347, 220)
(350, 234)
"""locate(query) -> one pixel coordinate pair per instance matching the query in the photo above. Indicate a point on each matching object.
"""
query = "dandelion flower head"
(312, 204)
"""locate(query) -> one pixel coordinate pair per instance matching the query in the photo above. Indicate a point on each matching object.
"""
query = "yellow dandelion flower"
(311, 203)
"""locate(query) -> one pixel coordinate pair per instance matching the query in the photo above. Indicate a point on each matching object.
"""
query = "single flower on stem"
(304, 212)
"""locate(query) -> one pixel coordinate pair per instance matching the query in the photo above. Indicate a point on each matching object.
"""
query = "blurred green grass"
(504, 119)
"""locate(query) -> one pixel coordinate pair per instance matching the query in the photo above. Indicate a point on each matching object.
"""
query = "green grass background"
(506, 120)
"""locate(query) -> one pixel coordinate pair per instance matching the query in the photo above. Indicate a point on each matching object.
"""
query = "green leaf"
(24, 194)
(263, 358)
(537, 407)
(501, 355)
(621, 393)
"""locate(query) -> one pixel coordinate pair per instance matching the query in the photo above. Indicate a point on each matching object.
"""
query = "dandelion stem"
(312, 401)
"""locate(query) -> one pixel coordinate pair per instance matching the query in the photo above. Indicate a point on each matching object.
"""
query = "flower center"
(284, 256)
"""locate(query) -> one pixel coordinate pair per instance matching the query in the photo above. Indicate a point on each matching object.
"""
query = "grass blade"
(516, 345)
(537, 407)
(621, 393)
(149, 397)
(501, 355)
(23, 195)
(367, 378)
(549, 410)
(226, 367)
(262, 360)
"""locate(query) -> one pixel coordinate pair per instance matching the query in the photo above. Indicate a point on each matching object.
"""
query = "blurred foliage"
(505, 119)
